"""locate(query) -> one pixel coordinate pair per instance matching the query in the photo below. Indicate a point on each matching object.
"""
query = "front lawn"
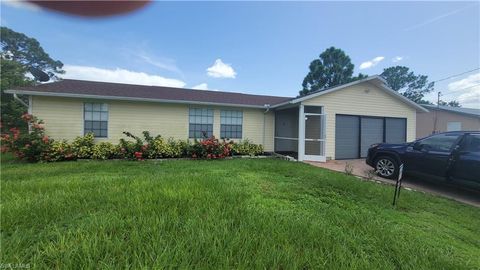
(244, 213)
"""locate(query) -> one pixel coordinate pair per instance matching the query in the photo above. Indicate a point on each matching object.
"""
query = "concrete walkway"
(361, 169)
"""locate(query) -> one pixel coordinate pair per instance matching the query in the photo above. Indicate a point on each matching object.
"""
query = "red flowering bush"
(211, 148)
(30, 146)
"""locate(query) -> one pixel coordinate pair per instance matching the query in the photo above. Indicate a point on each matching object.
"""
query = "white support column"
(30, 105)
(301, 132)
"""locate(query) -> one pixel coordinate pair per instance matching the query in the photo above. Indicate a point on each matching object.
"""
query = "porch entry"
(300, 132)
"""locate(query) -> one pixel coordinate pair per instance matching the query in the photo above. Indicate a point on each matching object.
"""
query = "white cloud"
(471, 98)
(118, 75)
(221, 70)
(21, 4)
(202, 86)
(467, 90)
(371, 63)
(397, 59)
(469, 81)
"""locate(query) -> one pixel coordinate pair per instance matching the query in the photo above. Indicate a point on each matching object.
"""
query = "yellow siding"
(254, 128)
(64, 119)
(362, 99)
(168, 120)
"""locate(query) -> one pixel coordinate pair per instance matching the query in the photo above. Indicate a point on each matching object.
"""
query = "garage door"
(371, 132)
(355, 134)
(347, 129)
(395, 130)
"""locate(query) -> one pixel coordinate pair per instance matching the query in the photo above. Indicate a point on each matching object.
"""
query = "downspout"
(267, 109)
(20, 100)
(29, 106)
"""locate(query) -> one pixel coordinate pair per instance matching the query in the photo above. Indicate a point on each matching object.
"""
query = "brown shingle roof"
(119, 90)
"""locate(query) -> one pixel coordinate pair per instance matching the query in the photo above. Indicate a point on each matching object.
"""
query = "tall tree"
(332, 68)
(407, 83)
(19, 56)
(28, 52)
(12, 74)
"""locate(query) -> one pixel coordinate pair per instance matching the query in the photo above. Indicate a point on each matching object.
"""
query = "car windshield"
(440, 142)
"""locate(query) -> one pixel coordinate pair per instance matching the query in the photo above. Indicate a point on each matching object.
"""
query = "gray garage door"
(347, 129)
(395, 130)
(355, 134)
(371, 132)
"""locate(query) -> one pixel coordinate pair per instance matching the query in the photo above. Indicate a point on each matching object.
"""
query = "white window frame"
(226, 115)
(108, 118)
(190, 115)
(454, 126)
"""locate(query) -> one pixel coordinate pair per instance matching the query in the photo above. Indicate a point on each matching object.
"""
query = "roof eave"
(375, 77)
(433, 107)
(69, 95)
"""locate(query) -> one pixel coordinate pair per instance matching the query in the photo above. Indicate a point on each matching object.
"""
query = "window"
(439, 143)
(454, 126)
(473, 143)
(231, 124)
(96, 119)
(200, 122)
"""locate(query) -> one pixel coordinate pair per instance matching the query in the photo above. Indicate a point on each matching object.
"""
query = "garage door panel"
(347, 129)
(395, 130)
(371, 132)
(355, 134)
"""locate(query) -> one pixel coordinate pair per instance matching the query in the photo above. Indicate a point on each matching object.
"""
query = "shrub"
(176, 148)
(104, 150)
(83, 146)
(137, 149)
(126, 149)
(246, 147)
(159, 148)
(29, 146)
(59, 151)
(210, 148)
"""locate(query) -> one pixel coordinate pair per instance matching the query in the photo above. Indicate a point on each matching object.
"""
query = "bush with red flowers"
(30, 146)
(34, 145)
(211, 148)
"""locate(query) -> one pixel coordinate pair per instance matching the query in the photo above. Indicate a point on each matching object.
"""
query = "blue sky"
(262, 47)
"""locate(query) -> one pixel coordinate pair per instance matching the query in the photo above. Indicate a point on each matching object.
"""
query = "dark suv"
(452, 156)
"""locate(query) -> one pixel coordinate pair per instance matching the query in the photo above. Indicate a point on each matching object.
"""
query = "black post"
(398, 185)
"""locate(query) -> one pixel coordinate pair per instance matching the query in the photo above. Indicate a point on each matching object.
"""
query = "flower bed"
(35, 146)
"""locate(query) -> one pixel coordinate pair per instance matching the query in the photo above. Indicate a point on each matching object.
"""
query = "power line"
(456, 75)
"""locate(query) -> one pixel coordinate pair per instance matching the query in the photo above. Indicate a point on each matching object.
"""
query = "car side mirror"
(421, 147)
(417, 146)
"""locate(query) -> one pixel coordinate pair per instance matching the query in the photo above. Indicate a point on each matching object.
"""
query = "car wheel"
(386, 167)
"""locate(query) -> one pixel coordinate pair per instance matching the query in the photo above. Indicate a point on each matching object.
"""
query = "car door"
(466, 165)
(431, 156)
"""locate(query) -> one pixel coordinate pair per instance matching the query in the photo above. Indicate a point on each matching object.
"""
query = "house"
(335, 123)
(446, 118)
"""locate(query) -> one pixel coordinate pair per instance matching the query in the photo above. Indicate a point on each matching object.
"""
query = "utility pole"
(436, 112)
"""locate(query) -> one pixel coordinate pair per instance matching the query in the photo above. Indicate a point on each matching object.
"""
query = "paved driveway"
(360, 168)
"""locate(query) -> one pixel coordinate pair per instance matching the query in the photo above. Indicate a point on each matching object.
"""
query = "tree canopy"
(406, 82)
(21, 55)
(332, 68)
(452, 103)
(27, 52)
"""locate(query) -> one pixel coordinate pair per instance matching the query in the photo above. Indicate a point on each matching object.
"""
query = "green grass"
(242, 214)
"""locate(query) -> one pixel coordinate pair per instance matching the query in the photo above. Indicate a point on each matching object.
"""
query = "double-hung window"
(96, 119)
(231, 124)
(200, 123)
